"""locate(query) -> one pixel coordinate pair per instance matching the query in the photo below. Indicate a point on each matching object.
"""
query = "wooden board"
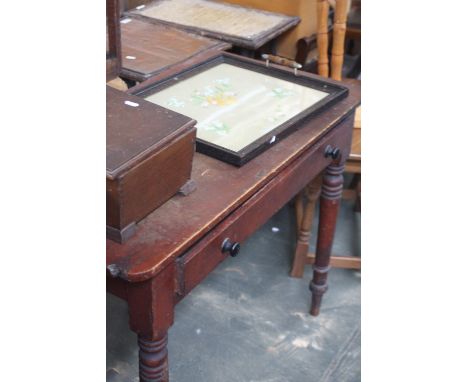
(148, 48)
(241, 26)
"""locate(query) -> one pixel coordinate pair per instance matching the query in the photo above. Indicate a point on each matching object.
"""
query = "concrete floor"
(249, 322)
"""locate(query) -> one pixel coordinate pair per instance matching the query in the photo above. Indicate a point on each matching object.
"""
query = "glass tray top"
(235, 106)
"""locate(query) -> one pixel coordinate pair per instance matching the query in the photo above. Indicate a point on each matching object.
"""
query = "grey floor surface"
(248, 320)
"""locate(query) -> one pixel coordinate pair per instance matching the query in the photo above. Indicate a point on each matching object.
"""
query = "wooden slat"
(347, 262)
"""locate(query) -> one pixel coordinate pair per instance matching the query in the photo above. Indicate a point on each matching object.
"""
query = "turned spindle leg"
(332, 187)
(306, 216)
(153, 358)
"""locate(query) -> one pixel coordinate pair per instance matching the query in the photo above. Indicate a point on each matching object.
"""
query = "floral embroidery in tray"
(219, 127)
(219, 94)
(280, 92)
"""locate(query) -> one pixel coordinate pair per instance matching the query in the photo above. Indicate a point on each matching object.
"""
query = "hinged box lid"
(136, 128)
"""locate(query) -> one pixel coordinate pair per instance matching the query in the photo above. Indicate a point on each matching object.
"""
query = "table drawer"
(204, 256)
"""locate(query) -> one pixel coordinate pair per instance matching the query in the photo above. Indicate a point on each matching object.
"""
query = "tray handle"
(281, 61)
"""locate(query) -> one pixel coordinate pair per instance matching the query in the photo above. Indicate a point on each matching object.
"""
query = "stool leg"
(153, 358)
(299, 209)
(332, 187)
(312, 192)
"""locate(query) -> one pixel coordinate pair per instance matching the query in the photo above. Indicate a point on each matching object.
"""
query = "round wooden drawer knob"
(333, 152)
(232, 248)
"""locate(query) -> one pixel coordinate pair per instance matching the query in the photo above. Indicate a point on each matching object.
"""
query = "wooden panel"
(148, 48)
(347, 262)
(221, 188)
(241, 26)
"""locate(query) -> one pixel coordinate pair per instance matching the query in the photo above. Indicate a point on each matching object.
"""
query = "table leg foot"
(332, 187)
(153, 358)
(318, 290)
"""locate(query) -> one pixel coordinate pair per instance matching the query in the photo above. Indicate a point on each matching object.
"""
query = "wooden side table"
(181, 242)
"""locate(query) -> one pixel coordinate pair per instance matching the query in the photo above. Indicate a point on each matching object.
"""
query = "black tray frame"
(239, 158)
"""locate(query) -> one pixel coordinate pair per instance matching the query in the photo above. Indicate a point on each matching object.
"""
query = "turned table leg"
(153, 358)
(332, 187)
(151, 314)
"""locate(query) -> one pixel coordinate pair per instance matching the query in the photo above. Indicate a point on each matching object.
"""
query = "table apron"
(204, 256)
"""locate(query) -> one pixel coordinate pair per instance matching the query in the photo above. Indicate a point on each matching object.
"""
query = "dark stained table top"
(175, 226)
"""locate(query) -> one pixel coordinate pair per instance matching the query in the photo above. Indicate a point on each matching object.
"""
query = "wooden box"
(149, 158)
(149, 48)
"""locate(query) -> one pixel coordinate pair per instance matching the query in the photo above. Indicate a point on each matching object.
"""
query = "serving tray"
(242, 106)
(241, 26)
